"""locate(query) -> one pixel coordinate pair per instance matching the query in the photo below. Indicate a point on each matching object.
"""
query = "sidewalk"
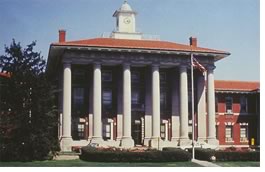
(204, 163)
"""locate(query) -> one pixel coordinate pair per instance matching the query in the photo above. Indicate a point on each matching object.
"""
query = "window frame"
(245, 99)
(106, 72)
(226, 109)
(230, 138)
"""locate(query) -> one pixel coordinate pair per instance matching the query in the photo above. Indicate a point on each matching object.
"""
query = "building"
(125, 90)
(237, 113)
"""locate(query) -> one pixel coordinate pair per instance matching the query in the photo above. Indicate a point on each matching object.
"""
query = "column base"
(213, 141)
(147, 141)
(201, 140)
(127, 142)
(66, 144)
(97, 140)
(184, 142)
(155, 142)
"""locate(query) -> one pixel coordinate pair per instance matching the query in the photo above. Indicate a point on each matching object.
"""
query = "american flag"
(197, 65)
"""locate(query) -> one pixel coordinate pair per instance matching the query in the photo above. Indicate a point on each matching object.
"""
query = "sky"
(229, 25)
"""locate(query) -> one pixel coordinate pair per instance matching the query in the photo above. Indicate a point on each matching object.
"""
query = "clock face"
(126, 20)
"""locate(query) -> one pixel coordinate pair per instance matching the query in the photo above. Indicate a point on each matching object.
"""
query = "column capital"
(183, 67)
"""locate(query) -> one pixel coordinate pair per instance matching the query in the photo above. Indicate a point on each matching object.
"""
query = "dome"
(125, 7)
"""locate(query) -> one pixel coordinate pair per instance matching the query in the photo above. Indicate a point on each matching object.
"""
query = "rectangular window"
(163, 98)
(229, 105)
(106, 76)
(163, 131)
(162, 77)
(229, 133)
(216, 103)
(243, 132)
(107, 98)
(81, 129)
(135, 97)
(78, 96)
(107, 131)
(243, 104)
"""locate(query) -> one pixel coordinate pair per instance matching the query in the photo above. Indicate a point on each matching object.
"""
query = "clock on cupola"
(125, 23)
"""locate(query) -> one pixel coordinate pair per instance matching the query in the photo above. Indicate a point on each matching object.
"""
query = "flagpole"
(192, 106)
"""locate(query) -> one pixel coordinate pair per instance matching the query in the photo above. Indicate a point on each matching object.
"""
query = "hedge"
(96, 155)
(221, 155)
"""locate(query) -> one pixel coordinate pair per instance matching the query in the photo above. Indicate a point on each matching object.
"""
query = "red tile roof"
(236, 85)
(137, 44)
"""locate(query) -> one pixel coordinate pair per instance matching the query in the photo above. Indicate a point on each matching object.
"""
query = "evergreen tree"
(28, 115)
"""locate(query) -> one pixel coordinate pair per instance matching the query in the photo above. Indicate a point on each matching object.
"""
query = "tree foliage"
(28, 119)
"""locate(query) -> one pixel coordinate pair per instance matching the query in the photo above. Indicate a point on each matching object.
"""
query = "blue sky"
(230, 25)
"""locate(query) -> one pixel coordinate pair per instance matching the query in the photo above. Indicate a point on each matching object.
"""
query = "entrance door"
(137, 131)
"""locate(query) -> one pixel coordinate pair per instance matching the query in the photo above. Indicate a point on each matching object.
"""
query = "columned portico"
(211, 139)
(127, 140)
(67, 86)
(97, 121)
(155, 106)
(184, 139)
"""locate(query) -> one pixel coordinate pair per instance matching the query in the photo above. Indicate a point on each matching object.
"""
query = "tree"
(27, 106)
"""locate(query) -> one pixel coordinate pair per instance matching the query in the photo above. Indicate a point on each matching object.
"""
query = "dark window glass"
(229, 104)
(78, 96)
(163, 98)
(107, 98)
(162, 77)
(135, 97)
(243, 104)
(106, 76)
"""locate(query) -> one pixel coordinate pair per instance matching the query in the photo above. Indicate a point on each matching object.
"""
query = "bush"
(203, 154)
(118, 155)
(237, 156)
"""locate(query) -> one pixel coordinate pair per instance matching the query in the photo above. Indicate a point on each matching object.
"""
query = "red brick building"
(237, 113)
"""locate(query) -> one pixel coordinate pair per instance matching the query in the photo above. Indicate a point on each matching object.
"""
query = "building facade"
(125, 90)
(237, 113)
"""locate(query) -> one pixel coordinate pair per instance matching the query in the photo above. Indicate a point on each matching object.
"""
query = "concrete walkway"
(204, 163)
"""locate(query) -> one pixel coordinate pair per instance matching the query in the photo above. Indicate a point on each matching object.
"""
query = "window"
(243, 104)
(107, 98)
(243, 132)
(80, 130)
(162, 77)
(217, 132)
(216, 103)
(229, 133)
(135, 77)
(106, 76)
(163, 131)
(78, 98)
(229, 104)
(135, 97)
(107, 131)
(163, 99)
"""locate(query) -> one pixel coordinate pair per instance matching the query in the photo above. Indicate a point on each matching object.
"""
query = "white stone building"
(125, 90)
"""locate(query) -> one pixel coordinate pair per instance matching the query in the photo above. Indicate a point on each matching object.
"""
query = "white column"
(175, 118)
(67, 86)
(201, 108)
(184, 139)
(155, 107)
(127, 140)
(211, 139)
(148, 108)
(97, 122)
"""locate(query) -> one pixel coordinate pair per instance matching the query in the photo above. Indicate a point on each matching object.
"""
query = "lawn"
(80, 163)
(239, 164)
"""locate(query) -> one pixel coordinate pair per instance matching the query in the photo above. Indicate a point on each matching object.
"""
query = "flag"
(197, 65)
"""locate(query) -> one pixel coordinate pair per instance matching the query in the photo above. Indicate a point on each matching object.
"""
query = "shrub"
(203, 154)
(119, 155)
(237, 156)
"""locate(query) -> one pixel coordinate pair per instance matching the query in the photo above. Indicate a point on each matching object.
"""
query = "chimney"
(62, 34)
(193, 41)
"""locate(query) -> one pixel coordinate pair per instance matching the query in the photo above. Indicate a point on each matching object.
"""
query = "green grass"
(239, 164)
(80, 163)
